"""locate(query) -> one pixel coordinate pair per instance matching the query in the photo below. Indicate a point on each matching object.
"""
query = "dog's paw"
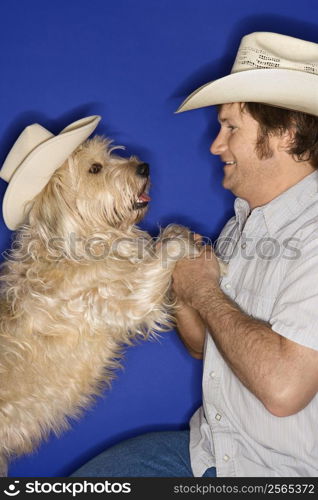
(177, 231)
(178, 241)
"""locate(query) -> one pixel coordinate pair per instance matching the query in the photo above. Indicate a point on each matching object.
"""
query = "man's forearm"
(253, 351)
(191, 330)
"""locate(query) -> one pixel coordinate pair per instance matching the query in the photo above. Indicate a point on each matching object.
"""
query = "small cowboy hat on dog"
(269, 68)
(33, 159)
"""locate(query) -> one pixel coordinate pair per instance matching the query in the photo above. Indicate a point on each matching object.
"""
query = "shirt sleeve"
(295, 311)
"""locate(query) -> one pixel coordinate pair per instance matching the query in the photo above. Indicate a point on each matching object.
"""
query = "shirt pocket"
(258, 306)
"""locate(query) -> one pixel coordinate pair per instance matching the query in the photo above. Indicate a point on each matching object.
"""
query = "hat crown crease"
(31, 137)
(273, 51)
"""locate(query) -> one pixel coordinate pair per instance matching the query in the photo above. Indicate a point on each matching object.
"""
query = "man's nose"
(219, 145)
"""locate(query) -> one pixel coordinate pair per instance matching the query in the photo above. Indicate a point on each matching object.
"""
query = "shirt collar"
(288, 204)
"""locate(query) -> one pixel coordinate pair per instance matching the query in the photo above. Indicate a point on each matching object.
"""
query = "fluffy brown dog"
(80, 283)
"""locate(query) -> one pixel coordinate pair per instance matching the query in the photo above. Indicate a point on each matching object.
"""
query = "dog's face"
(96, 188)
(109, 186)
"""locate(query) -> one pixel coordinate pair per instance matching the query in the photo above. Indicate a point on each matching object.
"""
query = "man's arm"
(191, 329)
(281, 373)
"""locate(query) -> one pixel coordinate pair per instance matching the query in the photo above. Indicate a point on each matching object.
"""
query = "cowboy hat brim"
(283, 88)
(36, 170)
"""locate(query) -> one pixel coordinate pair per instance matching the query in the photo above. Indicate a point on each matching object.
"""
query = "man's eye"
(95, 168)
(231, 127)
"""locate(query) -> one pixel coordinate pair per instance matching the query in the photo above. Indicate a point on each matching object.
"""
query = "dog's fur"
(80, 283)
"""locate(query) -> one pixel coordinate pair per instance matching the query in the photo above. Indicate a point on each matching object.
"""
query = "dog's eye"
(95, 168)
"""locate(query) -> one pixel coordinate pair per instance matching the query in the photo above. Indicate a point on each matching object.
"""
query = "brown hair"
(273, 120)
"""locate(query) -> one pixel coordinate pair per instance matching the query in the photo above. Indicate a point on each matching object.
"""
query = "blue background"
(133, 62)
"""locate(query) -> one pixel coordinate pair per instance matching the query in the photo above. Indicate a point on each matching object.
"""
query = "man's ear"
(286, 139)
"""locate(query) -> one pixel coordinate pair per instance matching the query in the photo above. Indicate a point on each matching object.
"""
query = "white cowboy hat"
(269, 68)
(33, 159)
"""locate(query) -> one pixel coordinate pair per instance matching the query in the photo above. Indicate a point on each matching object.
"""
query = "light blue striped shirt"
(272, 276)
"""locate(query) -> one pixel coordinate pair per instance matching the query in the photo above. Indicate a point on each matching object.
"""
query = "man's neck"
(281, 185)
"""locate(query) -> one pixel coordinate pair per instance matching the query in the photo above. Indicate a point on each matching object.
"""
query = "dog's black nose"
(143, 169)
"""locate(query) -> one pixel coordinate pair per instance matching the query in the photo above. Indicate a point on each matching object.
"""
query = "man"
(257, 327)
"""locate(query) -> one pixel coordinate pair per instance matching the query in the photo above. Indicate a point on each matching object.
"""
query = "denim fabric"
(155, 454)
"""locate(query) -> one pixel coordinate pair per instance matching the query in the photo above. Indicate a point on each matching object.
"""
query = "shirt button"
(243, 245)
(212, 374)
(227, 285)
(226, 458)
(218, 416)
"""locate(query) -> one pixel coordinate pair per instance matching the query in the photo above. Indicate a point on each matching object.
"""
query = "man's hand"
(192, 277)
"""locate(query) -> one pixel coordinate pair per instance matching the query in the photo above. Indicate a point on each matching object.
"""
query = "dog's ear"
(109, 145)
(54, 204)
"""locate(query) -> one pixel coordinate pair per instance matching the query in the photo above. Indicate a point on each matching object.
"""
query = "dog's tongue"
(144, 197)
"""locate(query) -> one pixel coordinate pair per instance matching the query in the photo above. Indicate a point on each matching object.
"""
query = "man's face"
(236, 141)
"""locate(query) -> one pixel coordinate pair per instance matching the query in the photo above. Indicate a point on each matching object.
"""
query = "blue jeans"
(155, 454)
